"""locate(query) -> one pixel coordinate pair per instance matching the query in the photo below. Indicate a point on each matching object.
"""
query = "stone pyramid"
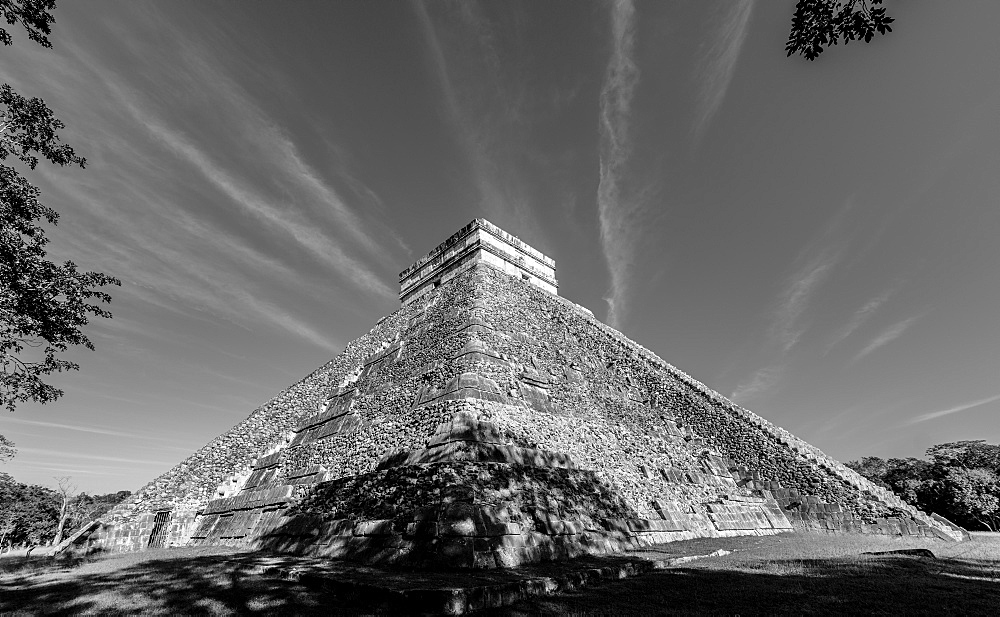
(490, 422)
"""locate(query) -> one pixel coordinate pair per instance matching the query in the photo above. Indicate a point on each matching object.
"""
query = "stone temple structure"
(490, 422)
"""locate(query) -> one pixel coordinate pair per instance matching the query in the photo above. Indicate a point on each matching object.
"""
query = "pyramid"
(488, 423)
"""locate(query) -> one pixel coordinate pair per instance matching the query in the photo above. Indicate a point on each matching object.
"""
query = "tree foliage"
(30, 514)
(34, 15)
(968, 454)
(7, 449)
(974, 492)
(960, 481)
(818, 24)
(43, 305)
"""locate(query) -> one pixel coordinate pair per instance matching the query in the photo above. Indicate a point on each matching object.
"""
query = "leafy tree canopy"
(34, 15)
(30, 514)
(968, 454)
(7, 450)
(43, 305)
(960, 481)
(818, 24)
(975, 493)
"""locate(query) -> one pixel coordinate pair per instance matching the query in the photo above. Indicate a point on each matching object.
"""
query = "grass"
(201, 581)
(804, 574)
(786, 574)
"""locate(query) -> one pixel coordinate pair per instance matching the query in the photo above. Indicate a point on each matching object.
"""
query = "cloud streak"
(947, 412)
(181, 275)
(813, 266)
(480, 123)
(283, 220)
(277, 156)
(281, 152)
(81, 429)
(888, 335)
(717, 65)
(787, 328)
(191, 250)
(617, 215)
(205, 71)
(861, 316)
(764, 379)
(62, 454)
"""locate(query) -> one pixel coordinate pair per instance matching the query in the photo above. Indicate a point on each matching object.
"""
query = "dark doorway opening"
(158, 536)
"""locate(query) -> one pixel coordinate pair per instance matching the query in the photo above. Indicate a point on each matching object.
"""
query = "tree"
(906, 477)
(975, 494)
(7, 449)
(85, 508)
(873, 468)
(8, 494)
(818, 24)
(34, 515)
(34, 15)
(43, 305)
(961, 481)
(29, 514)
(967, 454)
(66, 491)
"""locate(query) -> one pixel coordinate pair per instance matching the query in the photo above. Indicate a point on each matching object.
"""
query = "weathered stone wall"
(611, 362)
(550, 377)
(186, 489)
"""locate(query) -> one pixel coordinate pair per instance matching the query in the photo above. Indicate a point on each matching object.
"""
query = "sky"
(815, 240)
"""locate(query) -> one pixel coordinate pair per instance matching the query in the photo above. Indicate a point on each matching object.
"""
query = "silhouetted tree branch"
(43, 305)
(818, 24)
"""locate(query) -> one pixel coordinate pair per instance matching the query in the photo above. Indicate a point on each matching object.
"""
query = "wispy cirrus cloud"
(956, 409)
(761, 381)
(861, 316)
(180, 275)
(283, 156)
(206, 71)
(203, 257)
(486, 121)
(617, 213)
(787, 327)
(789, 320)
(251, 201)
(81, 429)
(301, 204)
(65, 455)
(716, 66)
(887, 336)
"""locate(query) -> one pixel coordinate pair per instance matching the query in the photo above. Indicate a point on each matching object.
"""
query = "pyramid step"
(471, 337)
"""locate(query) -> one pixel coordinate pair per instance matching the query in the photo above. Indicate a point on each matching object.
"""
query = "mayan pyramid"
(490, 422)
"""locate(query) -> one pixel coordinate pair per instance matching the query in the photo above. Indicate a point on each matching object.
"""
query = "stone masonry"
(487, 423)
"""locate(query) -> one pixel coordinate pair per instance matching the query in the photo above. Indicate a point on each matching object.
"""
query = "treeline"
(959, 481)
(30, 514)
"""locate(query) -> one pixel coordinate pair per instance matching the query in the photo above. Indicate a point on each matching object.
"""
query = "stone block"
(426, 527)
(457, 550)
(337, 527)
(373, 528)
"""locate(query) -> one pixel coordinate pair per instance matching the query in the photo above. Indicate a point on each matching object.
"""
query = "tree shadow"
(212, 584)
(885, 585)
(231, 584)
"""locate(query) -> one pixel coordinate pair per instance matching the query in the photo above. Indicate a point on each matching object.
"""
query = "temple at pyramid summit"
(487, 423)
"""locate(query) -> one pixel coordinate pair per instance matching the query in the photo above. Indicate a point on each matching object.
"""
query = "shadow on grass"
(230, 584)
(212, 584)
(21, 564)
(888, 585)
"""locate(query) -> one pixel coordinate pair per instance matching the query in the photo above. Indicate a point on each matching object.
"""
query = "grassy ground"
(209, 581)
(804, 574)
(787, 574)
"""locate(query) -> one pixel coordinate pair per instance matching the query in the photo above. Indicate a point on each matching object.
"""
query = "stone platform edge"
(459, 600)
